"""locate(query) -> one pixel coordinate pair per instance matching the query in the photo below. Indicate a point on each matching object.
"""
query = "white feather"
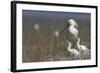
(72, 31)
(81, 48)
(72, 51)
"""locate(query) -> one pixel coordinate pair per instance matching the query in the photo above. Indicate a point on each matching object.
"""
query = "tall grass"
(42, 45)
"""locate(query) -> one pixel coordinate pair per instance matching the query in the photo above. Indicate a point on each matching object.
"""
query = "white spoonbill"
(72, 31)
(81, 48)
(72, 51)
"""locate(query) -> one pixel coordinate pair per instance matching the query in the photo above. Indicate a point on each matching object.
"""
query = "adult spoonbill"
(73, 52)
(81, 48)
(72, 31)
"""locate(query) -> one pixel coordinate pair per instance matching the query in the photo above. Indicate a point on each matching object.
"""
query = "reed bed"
(40, 46)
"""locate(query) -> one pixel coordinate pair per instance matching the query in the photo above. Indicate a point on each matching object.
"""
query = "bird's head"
(72, 22)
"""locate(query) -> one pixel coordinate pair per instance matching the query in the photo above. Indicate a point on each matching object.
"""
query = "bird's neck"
(78, 44)
(71, 27)
(69, 46)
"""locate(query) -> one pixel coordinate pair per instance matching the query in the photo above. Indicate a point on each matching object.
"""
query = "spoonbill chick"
(72, 51)
(81, 48)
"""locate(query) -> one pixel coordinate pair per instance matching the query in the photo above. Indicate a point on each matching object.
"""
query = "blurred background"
(42, 40)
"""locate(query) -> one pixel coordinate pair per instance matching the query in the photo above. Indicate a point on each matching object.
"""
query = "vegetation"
(44, 46)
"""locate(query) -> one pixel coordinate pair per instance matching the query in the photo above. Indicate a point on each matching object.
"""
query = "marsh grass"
(39, 46)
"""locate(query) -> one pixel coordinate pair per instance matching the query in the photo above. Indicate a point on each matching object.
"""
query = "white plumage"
(72, 51)
(72, 31)
(81, 48)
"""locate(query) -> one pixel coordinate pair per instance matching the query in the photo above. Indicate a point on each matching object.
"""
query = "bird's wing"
(83, 47)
